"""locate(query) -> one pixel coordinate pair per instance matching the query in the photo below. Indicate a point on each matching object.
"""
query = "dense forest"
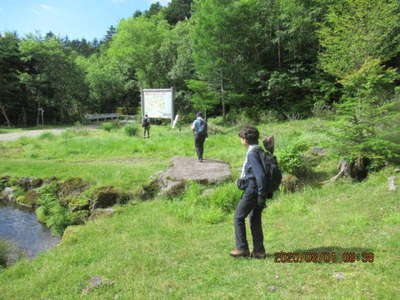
(260, 59)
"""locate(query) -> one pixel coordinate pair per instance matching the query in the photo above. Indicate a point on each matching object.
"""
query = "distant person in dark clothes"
(199, 128)
(252, 181)
(146, 126)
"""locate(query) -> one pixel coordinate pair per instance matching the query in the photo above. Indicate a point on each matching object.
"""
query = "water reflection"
(21, 227)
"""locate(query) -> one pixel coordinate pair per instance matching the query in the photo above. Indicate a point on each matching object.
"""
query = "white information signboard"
(158, 103)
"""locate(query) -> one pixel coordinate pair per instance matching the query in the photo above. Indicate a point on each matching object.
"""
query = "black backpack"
(271, 169)
(202, 130)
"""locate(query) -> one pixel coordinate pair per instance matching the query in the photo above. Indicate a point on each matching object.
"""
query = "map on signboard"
(158, 103)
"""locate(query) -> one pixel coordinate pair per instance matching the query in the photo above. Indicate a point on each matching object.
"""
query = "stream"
(22, 229)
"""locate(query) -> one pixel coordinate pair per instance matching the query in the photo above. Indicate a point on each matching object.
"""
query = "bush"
(108, 126)
(292, 159)
(50, 211)
(131, 130)
(47, 136)
(368, 117)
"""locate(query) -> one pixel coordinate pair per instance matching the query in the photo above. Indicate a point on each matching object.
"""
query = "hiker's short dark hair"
(199, 114)
(250, 134)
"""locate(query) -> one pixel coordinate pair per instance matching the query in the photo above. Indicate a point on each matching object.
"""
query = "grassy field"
(178, 248)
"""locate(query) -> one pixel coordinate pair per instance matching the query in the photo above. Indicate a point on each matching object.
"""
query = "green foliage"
(4, 248)
(108, 126)
(291, 159)
(138, 43)
(131, 129)
(47, 136)
(50, 211)
(356, 30)
(368, 114)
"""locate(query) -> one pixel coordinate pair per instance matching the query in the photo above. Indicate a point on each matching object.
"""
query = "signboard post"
(158, 103)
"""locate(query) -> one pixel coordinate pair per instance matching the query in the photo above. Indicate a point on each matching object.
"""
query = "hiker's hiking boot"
(239, 253)
(258, 255)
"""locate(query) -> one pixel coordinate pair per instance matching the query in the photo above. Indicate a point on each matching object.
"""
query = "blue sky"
(76, 18)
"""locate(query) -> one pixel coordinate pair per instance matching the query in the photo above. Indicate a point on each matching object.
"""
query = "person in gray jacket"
(199, 128)
(252, 181)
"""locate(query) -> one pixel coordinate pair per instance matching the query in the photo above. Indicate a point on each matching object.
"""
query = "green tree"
(221, 45)
(10, 66)
(356, 30)
(138, 44)
(55, 84)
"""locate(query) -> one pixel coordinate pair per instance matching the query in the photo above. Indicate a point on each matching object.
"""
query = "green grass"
(178, 248)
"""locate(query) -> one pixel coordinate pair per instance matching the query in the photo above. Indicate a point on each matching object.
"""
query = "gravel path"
(5, 137)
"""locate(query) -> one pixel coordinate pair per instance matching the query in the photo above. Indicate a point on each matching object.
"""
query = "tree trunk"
(357, 170)
(24, 118)
(3, 111)
(222, 96)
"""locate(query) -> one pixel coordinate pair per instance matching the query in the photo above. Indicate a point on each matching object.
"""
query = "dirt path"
(5, 137)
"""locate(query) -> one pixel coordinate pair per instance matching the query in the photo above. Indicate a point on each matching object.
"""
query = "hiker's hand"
(261, 199)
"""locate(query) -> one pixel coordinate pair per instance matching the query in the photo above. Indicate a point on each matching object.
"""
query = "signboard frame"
(142, 98)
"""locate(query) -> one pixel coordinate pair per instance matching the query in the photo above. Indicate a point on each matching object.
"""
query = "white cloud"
(46, 7)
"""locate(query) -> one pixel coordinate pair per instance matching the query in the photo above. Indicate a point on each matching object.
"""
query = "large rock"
(8, 194)
(107, 196)
(28, 183)
(184, 169)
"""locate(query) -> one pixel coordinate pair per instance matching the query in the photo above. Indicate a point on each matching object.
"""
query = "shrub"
(367, 115)
(108, 126)
(131, 130)
(292, 159)
(50, 211)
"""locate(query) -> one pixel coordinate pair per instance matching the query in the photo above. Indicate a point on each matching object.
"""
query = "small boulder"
(72, 187)
(94, 283)
(8, 194)
(27, 183)
(392, 183)
(338, 275)
(105, 196)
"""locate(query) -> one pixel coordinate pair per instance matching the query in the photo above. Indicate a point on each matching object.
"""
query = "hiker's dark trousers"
(248, 205)
(199, 145)
(146, 129)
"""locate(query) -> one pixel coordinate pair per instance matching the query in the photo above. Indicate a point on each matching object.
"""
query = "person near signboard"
(146, 126)
(199, 128)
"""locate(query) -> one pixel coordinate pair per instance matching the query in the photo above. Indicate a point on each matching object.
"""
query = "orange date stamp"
(323, 257)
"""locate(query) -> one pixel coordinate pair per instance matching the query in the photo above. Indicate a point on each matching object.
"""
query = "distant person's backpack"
(146, 122)
(271, 169)
(202, 130)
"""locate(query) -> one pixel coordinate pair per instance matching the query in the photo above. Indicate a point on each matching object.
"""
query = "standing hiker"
(253, 182)
(199, 128)
(146, 126)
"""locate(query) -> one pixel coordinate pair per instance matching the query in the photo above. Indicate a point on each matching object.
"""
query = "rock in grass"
(392, 183)
(72, 187)
(338, 275)
(107, 196)
(28, 183)
(272, 288)
(95, 282)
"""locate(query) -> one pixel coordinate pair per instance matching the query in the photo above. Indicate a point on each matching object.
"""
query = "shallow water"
(21, 228)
